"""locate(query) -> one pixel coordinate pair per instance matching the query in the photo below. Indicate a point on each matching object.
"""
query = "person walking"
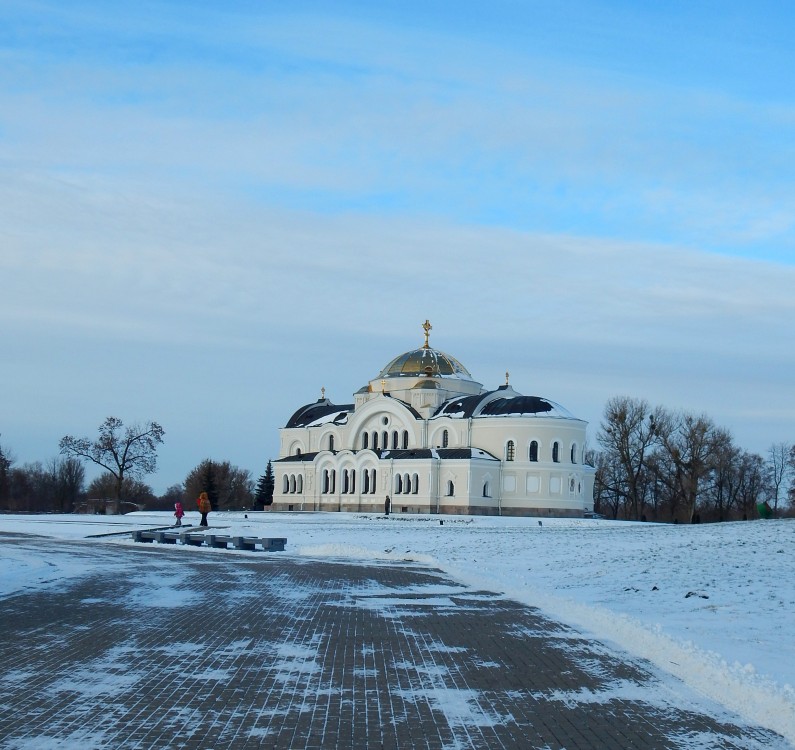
(178, 512)
(204, 508)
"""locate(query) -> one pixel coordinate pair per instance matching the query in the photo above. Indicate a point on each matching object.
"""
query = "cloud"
(205, 219)
(321, 113)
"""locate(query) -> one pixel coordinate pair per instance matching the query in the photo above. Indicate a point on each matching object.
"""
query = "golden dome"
(425, 362)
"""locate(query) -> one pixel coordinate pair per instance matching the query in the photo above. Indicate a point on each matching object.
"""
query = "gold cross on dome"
(507, 376)
(323, 392)
(426, 326)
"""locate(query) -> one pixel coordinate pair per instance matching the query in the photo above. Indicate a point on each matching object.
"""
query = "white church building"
(424, 433)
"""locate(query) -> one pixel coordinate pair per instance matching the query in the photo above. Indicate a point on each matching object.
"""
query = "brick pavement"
(159, 647)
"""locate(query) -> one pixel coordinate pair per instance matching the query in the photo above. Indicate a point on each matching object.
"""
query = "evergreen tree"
(264, 492)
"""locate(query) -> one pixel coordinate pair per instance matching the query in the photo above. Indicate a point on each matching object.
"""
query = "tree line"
(660, 465)
(652, 464)
(127, 454)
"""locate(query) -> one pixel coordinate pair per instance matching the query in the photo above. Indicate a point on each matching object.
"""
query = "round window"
(384, 420)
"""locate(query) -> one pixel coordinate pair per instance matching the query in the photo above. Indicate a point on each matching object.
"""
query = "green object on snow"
(764, 510)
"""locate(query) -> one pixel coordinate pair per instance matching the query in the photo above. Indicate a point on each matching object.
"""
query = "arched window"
(510, 451)
(415, 484)
(405, 439)
(398, 484)
(292, 483)
(395, 440)
(445, 439)
(366, 486)
(297, 451)
(375, 441)
(450, 488)
(365, 440)
(372, 481)
(385, 439)
(556, 452)
(331, 442)
(353, 481)
(285, 484)
(333, 474)
(533, 453)
(406, 484)
(572, 485)
(299, 483)
(574, 453)
(345, 482)
(326, 482)
(487, 488)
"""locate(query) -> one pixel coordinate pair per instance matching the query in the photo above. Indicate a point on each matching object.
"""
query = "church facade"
(428, 436)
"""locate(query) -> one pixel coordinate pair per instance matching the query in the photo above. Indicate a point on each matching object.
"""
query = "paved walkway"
(158, 647)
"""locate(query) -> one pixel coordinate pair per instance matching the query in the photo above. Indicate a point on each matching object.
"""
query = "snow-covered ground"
(713, 604)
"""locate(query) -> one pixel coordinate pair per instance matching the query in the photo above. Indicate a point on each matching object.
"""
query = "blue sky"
(207, 213)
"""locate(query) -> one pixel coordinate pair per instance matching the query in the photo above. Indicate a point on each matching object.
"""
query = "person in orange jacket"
(204, 508)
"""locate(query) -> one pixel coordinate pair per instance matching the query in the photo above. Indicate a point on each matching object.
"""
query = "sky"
(207, 214)
(728, 637)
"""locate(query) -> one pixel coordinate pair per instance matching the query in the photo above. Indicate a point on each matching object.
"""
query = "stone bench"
(217, 541)
(143, 536)
(250, 543)
(161, 537)
(193, 538)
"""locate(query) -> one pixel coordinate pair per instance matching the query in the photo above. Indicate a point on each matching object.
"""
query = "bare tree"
(791, 490)
(752, 483)
(690, 443)
(628, 433)
(609, 485)
(228, 486)
(777, 465)
(5, 476)
(123, 452)
(736, 481)
(67, 477)
(134, 492)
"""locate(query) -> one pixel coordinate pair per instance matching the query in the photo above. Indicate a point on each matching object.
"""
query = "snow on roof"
(320, 412)
(478, 453)
(485, 405)
(338, 417)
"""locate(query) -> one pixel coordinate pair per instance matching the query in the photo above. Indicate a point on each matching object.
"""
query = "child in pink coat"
(178, 512)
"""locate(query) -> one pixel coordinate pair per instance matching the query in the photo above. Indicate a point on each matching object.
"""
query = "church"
(426, 435)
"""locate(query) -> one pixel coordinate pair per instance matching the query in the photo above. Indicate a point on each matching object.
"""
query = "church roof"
(404, 454)
(444, 453)
(425, 361)
(320, 412)
(462, 407)
(523, 406)
(509, 404)
(299, 457)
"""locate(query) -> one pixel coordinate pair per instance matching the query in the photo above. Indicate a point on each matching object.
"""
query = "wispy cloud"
(292, 192)
(313, 112)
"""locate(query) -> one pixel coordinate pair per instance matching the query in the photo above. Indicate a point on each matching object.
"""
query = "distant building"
(433, 439)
